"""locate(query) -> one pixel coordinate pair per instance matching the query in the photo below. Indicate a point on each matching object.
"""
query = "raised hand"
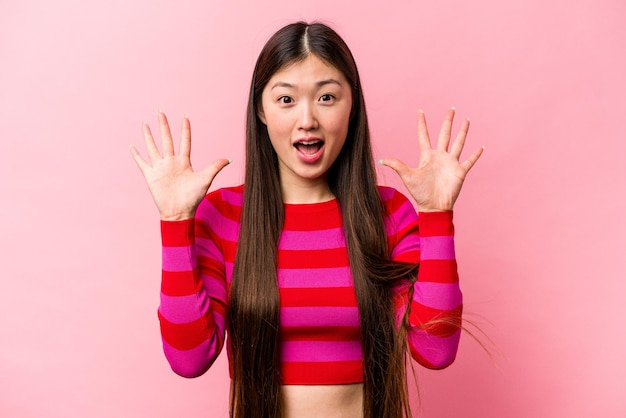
(436, 183)
(176, 189)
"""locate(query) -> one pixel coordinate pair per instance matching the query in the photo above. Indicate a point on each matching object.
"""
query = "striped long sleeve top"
(319, 320)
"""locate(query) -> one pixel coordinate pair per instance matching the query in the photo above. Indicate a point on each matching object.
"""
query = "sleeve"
(435, 301)
(192, 311)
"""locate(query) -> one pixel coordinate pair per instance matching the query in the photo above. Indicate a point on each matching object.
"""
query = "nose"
(308, 120)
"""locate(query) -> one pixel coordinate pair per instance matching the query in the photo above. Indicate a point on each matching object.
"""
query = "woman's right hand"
(176, 189)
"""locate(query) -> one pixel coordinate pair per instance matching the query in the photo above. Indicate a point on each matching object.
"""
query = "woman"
(321, 278)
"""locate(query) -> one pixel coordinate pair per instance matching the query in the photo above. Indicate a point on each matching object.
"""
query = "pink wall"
(538, 230)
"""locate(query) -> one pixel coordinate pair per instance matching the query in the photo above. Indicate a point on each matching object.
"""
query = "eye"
(327, 98)
(285, 99)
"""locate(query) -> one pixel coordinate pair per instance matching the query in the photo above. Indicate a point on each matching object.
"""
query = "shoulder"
(400, 214)
(226, 195)
(393, 200)
(225, 202)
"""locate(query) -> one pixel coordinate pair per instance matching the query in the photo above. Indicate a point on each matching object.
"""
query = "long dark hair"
(253, 315)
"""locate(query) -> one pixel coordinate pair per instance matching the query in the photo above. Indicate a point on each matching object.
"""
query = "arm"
(193, 291)
(193, 297)
(434, 300)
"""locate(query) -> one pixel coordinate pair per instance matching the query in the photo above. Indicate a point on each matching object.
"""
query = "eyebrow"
(320, 83)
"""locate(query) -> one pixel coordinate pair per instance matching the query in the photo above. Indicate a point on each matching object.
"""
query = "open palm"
(436, 182)
(176, 188)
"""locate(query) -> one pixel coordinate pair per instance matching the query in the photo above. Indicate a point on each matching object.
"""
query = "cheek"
(278, 133)
(274, 123)
(339, 125)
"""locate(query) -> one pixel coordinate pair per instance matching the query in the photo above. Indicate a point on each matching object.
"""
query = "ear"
(261, 114)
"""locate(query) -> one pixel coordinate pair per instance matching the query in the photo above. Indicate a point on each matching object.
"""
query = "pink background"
(538, 231)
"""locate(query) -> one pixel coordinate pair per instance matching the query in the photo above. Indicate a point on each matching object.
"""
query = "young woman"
(320, 278)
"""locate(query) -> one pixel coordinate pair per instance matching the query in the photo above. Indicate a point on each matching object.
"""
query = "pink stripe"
(228, 229)
(321, 351)
(183, 309)
(194, 362)
(312, 240)
(437, 248)
(177, 259)
(207, 248)
(403, 215)
(323, 277)
(438, 295)
(438, 351)
(220, 322)
(214, 287)
(231, 197)
(229, 270)
(178, 313)
(320, 317)
(409, 243)
(386, 193)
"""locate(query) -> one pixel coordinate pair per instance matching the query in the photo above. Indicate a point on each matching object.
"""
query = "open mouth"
(309, 147)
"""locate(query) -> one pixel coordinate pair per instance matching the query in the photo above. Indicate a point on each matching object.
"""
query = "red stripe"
(421, 360)
(203, 231)
(231, 212)
(336, 296)
(177, 233)
(438, 322)
(180, 283)
(218, 306)
(322, 373)
(189, 335)
(401, 297)
(299, 218)
(211, 267)
(294, 259)
(408, 229)
(229, 250)
(320, 333)
(226, 209)
(411, 257)
(436, 224)
(393, 202)
(439, 271)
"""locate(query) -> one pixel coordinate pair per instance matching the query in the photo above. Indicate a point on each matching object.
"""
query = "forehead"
(308, 71)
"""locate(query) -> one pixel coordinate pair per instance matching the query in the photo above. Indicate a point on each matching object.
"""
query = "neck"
(306, 192)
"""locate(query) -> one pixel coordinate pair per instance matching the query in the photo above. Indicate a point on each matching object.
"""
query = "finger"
(469, 163)
(459, 142)
(422, 132)
(396, 165)
(185, 138)
(446, 131)
(153, 151)
(141, 163)
(211, 171)
(167, 145)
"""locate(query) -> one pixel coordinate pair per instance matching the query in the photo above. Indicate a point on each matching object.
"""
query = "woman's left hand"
(436, 183)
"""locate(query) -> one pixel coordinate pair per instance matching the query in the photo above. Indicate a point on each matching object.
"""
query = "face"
(306, 108)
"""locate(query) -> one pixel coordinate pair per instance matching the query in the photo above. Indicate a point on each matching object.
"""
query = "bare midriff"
(322, 401)
(328, 401)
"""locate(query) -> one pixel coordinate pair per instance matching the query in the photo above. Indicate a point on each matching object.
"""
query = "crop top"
(319, 320)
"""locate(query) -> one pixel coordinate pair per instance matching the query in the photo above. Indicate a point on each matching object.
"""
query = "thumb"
(215, 167)
(396, 165)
